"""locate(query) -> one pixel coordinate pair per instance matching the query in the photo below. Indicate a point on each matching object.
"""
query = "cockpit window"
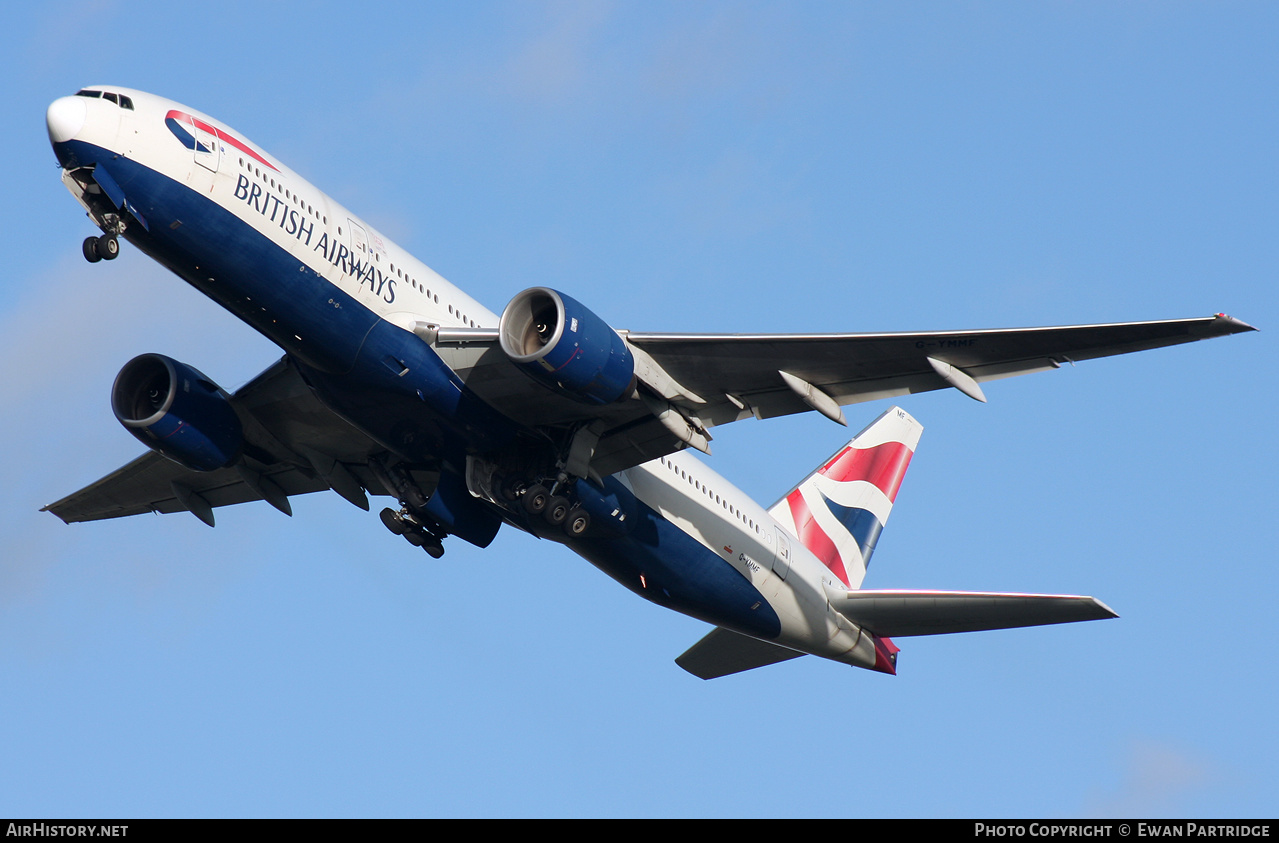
(119, 99)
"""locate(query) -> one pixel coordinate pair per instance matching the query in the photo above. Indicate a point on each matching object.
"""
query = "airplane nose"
(65, 118)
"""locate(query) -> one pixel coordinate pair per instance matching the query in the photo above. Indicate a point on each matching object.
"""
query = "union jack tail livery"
(839, 510)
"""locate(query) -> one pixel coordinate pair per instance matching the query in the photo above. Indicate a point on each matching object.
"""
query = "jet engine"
(174, 409)
(566, 347)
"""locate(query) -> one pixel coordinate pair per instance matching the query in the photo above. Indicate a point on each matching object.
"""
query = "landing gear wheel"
(536, 497)
(415, 538)
(577, 522)
(393, 522)
(433, 549)
(90, 249)
(556, 510)
(107, 247)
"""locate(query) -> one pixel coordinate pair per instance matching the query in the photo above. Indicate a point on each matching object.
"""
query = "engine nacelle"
(567, 347)
(173, 409)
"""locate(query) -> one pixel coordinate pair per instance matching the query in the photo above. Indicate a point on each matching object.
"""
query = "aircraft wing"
(852, 368)
(276, 408)
(713, 379)
(901, 614)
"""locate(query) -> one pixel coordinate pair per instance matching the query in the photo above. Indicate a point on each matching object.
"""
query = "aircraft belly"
(662, 563)
(679, 542)
(403, 394)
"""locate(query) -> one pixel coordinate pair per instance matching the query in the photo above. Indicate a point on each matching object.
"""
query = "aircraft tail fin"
(839, 510)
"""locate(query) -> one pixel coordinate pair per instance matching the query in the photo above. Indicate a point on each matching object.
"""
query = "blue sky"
(683, 166)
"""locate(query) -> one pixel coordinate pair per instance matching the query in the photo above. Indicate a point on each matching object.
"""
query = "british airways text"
(292, 222)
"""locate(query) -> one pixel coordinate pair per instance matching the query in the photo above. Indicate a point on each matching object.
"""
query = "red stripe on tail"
(883, 465)
(814, 537)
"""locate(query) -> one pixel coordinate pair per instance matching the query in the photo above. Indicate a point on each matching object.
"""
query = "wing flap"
(723, 652)
(901, 614)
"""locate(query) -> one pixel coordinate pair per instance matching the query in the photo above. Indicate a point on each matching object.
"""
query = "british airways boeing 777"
(395, 382)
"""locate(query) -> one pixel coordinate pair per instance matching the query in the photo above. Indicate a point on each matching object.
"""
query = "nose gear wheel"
(106, 247)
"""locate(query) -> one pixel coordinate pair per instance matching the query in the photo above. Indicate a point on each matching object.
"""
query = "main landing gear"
(556, 510)
(416, 533)
(106, 247)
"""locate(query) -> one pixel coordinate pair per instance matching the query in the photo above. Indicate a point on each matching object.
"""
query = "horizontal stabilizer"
(723, 651)
(905, 613)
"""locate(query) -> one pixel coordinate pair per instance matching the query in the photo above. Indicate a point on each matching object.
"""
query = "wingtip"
(1109, 613)
(1232, 325)
(58, 515)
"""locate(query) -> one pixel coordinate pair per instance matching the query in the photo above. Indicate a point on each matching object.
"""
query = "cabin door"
(781, 556)
(208, 152)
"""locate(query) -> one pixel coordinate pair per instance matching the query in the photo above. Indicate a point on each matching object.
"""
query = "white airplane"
(395, 382)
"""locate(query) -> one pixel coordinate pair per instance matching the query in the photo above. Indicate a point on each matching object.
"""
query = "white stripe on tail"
(839, 510)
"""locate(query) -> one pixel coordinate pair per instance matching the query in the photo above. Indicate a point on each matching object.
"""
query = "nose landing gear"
(106, 247)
